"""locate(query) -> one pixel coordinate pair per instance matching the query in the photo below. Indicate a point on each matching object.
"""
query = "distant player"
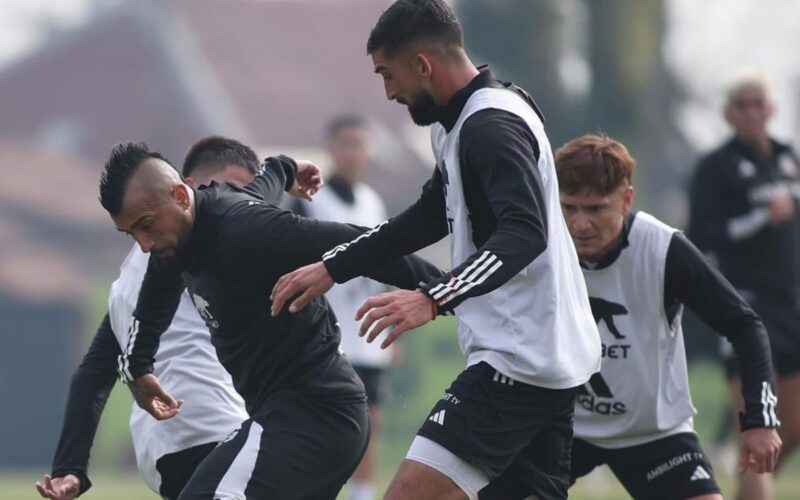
(308, 424)
(636, 414)
(348, 199)
(745, 212)
(168, 452)
(524, 322)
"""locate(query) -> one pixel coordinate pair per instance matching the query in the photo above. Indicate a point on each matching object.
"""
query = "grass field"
(430, 360)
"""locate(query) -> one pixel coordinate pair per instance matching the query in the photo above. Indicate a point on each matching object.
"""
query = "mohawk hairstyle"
(215, 152)
(408, 21)
(122, 164)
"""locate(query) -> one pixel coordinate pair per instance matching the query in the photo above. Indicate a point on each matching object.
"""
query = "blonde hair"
(747, 79)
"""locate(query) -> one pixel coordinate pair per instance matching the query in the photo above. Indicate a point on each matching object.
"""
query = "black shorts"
(504, 426)
(176, 468)
(294, 447)
(781, 317)
(374, 379)
(667, 468)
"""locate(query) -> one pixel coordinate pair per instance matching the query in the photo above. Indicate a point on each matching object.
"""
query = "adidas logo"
(700, 474)
(499, 377)
(437, 417)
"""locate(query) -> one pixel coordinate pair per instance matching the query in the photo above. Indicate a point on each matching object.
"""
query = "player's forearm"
(407, 272)
(507, 252)
(276, 176)
(690, 279)
(86, 399)
(85, 404)
(158, 300)
(755, 366)
(412, 230)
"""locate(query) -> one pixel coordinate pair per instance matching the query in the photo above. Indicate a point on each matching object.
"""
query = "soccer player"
(167, 452)
(348, 199)
(744, 212)
(308, 425)
(636, 414)
(524, 322)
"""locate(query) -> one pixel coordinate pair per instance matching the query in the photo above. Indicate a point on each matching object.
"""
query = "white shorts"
(466, 476)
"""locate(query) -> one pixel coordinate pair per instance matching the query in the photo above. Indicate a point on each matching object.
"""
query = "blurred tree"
(634, 94)
(522, 40)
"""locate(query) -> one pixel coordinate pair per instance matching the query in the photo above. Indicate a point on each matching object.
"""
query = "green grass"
(429, 362)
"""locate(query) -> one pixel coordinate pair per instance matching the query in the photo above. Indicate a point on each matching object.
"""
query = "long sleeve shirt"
(238, 248)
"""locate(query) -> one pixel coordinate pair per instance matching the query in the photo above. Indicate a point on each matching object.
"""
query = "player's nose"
(145, 243)
(580, 222)
(390, 92)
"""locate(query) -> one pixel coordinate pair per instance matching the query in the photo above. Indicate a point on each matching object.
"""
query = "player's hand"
(307, 182)
(781, 208)
(59, 488)
(760, 449)
(153, 399)
(309, 281)
(405, 309)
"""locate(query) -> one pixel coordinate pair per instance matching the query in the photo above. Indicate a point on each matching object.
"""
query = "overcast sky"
(708, 42)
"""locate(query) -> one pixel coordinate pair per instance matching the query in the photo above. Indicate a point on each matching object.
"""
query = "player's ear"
(627, 200)
(422, 65)
(770, 108)
(727, 112)
(180, 192)
(190, 182)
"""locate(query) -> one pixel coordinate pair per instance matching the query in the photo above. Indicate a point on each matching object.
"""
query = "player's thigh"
(237, 448)
(293, 448)
(486, 420)
(781, 318)
(519, 483)
(311, 449)
(177, 468)
(585, 457)
(674, 467)
(789, 407)
(375, 385)
(418, 481)
(543, 466)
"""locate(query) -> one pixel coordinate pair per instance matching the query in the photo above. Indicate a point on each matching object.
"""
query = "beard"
(423, 109)
(176, 257)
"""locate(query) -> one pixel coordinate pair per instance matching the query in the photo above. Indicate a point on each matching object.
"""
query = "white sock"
(360, 490)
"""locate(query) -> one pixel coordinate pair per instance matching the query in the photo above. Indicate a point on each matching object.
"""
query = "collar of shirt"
(195, 245)
(342, 189)
(452, 110)
(746, 151)
(621, 245)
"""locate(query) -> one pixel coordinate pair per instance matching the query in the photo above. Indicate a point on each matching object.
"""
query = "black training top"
(730, 195)
(238, 248)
